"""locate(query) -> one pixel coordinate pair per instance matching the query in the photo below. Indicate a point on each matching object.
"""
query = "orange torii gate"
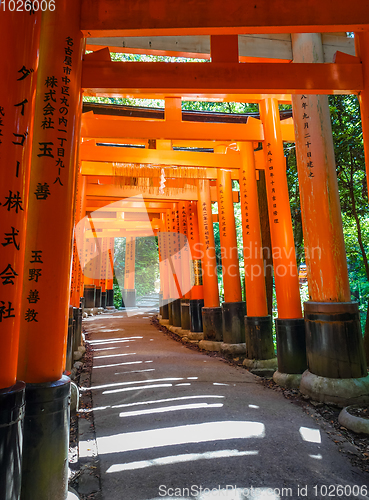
(40, 119)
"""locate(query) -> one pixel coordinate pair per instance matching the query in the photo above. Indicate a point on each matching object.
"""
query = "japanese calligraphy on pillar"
(307, 136)
(270, 174)
(208, 219)
(222, 218)
(15, 115)
(245, 201)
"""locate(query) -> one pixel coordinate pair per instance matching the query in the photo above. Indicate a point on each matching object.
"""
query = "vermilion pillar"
(186, 266)
(110, 274)
(163, 248)
(289, 325)
(258, 324)
(177, 262)
(197, 289)
(333, 332)
(234, 309)
(19, 40)
(46, 280)
(211, 312)
(19, 35)
(252, 244)
(285, 269)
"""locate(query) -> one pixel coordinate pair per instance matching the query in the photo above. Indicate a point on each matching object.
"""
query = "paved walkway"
(174, 423)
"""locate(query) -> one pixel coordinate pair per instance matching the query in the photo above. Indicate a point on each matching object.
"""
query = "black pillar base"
(82, 303)
(110, 298)
(291, 345)
(77, 331)
(185, 314)
(334, 344)
(195, 315)
(259, 337)
(234, 322)
(170, 312)
(89, 293)
(69, 354)
(176, 312)
(212, 323)
(165, 311)
(128, 297)
(11, 438)
(103, 300)
(98, 297)
(46, 441)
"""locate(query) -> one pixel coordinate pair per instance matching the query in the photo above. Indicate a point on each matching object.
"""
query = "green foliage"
(146, 264)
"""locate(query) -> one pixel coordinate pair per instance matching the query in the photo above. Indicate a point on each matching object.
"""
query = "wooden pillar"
(44, 323)
(284, 258)
(52, 187)
(234, 309)
(228, 238)
(19, 40)
(197, 289)
(185, 254)
(209, 264)
(110, 273)
(333, 332)
(211, 312)
(258, 324)
(252, 244)
(19, 35)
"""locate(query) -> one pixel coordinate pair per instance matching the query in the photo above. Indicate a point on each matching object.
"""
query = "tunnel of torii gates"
(58, 171)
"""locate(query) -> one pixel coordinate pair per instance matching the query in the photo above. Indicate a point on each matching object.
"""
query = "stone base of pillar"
(11, 438)
(170, 311)
(259, 337)
(234, 322)
(128, 297)
(98, 297)
(212, 323)
(334, 344)
(260, 364)
(110, 297)
(291, 345)
(89, 293)
(46, 441)
(233, 349)
(103, 300)
(287, 380)
(185, 314)
(339, 391)
(208, 345)
(176, 312)
(196, 306)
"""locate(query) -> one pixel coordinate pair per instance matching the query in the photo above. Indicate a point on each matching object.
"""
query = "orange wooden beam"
(90, 152)
(221, 78)
(175, 17)
(168, 129)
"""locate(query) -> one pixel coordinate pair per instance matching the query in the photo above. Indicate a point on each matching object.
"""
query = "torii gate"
(40, 123)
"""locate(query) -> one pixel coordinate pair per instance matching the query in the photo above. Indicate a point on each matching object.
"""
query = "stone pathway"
(171, 422)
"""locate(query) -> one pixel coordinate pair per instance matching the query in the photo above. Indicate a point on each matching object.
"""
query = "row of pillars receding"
(40, 114)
